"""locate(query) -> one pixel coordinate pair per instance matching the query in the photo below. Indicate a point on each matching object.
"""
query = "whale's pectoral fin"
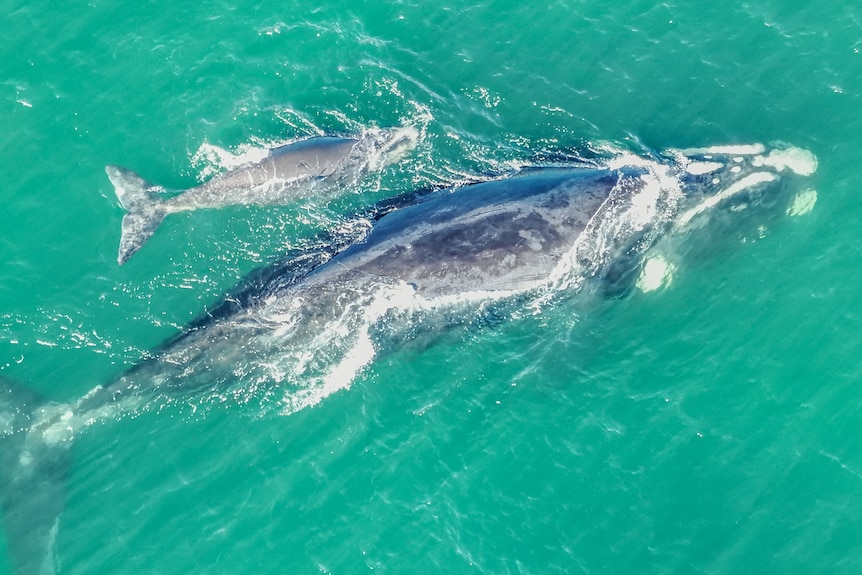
(33, 468)
(146, 209)
(620, 277)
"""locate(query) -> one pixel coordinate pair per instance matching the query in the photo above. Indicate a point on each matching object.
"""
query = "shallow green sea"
(710, 427)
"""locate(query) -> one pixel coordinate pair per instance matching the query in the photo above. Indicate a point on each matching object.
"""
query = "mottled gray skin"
(326, 164)
(506, 235)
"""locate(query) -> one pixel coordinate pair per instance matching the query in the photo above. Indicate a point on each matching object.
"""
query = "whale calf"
(329, 164)
(309, 328)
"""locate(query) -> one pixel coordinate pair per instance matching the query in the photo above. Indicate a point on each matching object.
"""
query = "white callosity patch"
(797, 160)
(700, 168)
(732, 150)
(735, 188)
(657, 273)
(803, 203)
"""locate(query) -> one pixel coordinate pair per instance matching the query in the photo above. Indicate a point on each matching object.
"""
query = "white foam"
(343, 374)
(746, 182)
(334, 357)
(345, 345)
(389, 146)
(622, 159)
(645, 203)
(218, 159)
(402, 296)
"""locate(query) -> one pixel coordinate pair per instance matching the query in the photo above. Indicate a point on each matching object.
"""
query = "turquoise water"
(709, 427)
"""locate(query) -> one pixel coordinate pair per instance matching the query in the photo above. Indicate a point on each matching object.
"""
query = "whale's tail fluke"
(34, 462)
(144, 206)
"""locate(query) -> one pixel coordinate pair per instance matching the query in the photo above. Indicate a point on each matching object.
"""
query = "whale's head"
(731, 191)
(734, 178)
(386, 146)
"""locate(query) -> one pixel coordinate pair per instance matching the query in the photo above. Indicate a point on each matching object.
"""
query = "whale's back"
(500, 235)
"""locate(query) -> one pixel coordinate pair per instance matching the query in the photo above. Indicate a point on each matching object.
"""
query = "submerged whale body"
(544, 230)
(323, 164)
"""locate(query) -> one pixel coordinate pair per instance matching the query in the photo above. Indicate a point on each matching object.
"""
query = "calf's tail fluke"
(34, 463)
(146, 209)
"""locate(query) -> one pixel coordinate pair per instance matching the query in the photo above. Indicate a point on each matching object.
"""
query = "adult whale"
(324, 164)
(315, 325)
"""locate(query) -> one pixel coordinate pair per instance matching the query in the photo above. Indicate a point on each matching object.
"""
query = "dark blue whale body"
(311, 322)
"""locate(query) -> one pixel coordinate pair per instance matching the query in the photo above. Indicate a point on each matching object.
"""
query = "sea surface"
(712, 426)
